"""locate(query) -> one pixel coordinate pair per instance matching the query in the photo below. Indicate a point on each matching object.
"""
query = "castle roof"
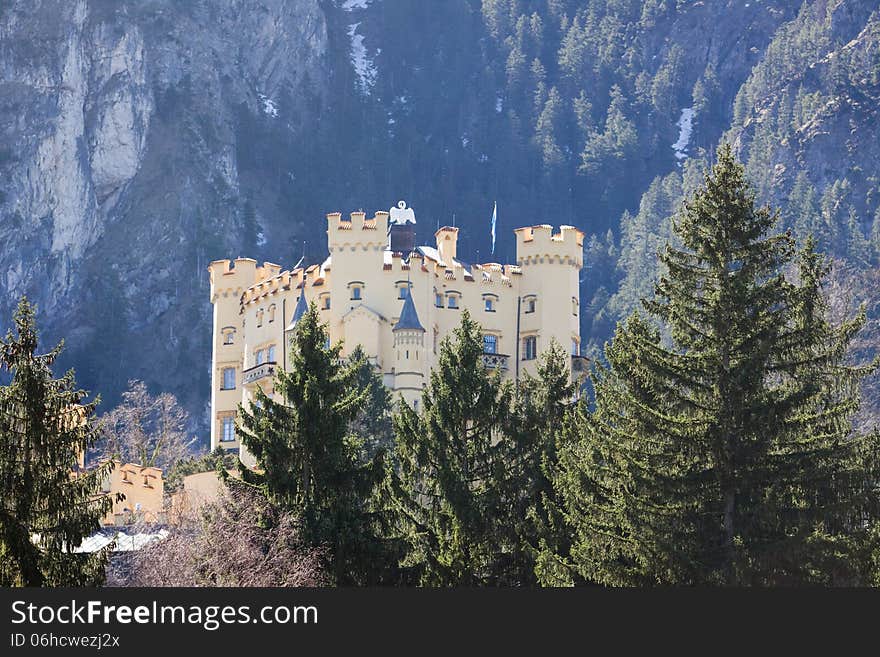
(409, 318)
(299, 311)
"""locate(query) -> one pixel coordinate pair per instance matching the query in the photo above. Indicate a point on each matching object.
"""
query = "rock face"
(119, 126)
(820, 116)
(141, 139)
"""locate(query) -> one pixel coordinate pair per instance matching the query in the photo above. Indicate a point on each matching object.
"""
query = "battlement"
(539, 244)
(233, 277)
(357, 230)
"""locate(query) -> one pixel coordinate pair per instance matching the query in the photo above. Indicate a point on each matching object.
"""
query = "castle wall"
(259, 302)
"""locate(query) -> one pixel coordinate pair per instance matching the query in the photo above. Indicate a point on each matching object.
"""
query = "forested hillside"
(140, 140)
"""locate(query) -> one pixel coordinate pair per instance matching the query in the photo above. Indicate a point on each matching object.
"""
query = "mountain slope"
(140, 140)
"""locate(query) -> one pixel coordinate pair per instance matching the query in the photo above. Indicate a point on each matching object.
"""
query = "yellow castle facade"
(397, 300)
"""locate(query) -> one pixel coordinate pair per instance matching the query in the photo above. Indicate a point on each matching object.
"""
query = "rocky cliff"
(141, 139)
(120, 130)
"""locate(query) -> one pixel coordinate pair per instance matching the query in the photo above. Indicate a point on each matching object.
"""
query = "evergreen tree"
(308, 461)
(372, 421)
(725, 456)
(447, 489)
(48, 505)
(534, 520)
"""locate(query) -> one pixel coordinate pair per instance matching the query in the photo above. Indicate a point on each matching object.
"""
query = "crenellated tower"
(549, 289)
(229, 281)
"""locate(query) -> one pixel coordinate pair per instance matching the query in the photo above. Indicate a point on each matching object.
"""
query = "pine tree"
(308, 461)
(48, 505)
(446, 490)
(724, 454)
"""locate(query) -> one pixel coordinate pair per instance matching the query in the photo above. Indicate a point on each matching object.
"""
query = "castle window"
(228, 336)
(531, 304)
(438, 300)
(228, 378)
(452, 300)
(530, 347)
(490, 344)
(260, 317)
(327, 302)
(272, 313)
(327, 343)
(489, 302)
(574, 306)
(403, 288)
(228, 434)
(260, 357)
(575, 347)
(356, 290)
(271, 353)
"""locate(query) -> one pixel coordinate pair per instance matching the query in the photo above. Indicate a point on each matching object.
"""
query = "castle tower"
(228, 282)
(549, 290)
(357, 251)
(409, 353)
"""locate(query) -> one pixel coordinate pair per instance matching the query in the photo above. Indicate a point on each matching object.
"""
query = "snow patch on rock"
(363, 65)
(270, 108)
(685, 128)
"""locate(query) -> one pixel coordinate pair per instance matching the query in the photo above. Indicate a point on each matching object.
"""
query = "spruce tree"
(48, 504)
(534, 521)
(720, 448)
(447, 487)
(372, 421)
(308, 460)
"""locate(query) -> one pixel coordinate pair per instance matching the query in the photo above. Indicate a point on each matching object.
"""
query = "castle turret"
(302, 307)
(549, 289)
(447, 244)
(229, 280)
(409, 353)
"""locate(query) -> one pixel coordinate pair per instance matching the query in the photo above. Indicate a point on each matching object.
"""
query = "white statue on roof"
(402, 214)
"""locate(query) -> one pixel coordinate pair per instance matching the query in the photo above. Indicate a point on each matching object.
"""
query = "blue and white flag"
(494, 219)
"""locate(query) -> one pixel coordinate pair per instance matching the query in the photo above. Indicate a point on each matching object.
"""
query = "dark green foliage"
(45, 509)
(308, 461)
(724, 456)
(372, 421)
(534, 520)
(447, 491)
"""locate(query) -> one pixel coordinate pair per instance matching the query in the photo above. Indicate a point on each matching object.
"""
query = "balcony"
(257, 372)
(580, 365)
(495, 361)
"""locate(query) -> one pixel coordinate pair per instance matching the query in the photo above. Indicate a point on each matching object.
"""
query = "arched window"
(356, 290)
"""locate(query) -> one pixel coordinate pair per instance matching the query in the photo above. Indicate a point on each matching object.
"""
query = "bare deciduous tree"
(146, 429)
(240, 540)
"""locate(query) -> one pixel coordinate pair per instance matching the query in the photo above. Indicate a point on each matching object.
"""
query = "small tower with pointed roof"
(409, 352)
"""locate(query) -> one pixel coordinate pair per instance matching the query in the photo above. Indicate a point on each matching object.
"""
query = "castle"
(397, 300)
